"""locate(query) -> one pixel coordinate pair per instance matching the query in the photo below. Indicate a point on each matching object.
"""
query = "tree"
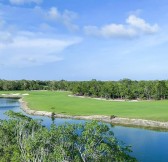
(23, 139)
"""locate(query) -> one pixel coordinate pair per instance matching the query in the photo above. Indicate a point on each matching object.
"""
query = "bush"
(25, 140)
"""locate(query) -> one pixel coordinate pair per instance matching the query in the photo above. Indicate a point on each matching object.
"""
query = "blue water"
(147, 145)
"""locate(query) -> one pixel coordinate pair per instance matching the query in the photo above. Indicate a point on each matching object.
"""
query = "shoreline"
(115, 120)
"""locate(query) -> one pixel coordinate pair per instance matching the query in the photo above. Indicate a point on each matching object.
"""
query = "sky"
(83, 39)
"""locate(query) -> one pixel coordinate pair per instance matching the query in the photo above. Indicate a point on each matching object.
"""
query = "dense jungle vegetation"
(122, 89)
(23, 139)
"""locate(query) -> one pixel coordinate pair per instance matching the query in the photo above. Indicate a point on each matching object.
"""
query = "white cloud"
(111, 30)
(141, 24)
(53, 13)
(32, 49)
(134, 27)
(39, 18)
(22, 45)
(66, 17)
(21, 2)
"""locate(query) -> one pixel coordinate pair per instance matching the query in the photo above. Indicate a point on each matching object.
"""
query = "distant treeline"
(122, 89)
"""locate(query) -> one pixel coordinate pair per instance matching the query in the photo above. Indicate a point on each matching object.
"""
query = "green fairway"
(60, 102)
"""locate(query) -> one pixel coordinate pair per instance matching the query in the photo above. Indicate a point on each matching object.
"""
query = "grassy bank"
(60, 102)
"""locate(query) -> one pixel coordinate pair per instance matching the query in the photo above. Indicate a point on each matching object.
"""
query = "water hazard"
(147, 145)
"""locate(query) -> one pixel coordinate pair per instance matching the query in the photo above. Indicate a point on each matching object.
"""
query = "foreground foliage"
(23, 139)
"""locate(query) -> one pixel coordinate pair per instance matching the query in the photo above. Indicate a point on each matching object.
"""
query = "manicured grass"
(60, 102)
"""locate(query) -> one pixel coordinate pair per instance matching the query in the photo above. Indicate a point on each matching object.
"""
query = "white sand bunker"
(15, 94)
(25, 94)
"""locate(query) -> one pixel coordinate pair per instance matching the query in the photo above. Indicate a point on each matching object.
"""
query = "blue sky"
(83, 39)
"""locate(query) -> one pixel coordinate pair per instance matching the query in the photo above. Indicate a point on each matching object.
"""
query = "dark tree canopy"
(122, 89)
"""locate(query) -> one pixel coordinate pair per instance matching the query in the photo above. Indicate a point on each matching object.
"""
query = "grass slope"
(60, 102)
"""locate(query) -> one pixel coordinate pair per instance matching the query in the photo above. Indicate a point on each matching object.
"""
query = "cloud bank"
(24, 47)
(134, 27)
(31, 49)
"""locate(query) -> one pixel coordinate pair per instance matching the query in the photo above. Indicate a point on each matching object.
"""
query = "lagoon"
(147, 145)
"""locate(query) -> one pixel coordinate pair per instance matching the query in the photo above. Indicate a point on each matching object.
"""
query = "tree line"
(23, 139)
(122, 89)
